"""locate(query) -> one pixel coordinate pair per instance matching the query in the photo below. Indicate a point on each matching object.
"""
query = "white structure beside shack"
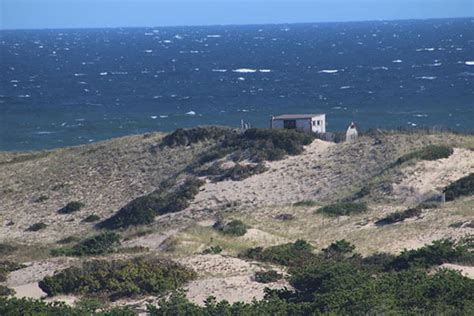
(310, 123)
(351, 133)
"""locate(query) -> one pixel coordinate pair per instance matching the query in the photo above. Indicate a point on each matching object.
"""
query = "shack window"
(319, 122)
(289, 124)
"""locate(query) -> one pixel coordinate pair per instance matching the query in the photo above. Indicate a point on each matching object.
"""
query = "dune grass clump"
(144, 209)
(7, 249)
(240, 172)
(118, 279)
(6, 291)
(305, 203)
(96, 245)
(71, 207)
(459, 188)
(431, 152)
(7, 267)
(343, 209)
(36, 227)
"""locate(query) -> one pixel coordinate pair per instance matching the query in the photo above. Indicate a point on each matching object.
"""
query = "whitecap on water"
(426, 77)
(213, 36)
(329, 71)
(470, 62)
(429, 49)
(346, 87)
(103, 73)
(420, 115)
(154, 117)
(191, 113)
(397, 61)
(245, 70)
(265, 70)
(79, 74)
(163, 116)
(219, 70)
(148, 51)
(241, 78)
(379, 68)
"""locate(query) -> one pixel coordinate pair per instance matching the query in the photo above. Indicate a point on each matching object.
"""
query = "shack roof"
(295, 116)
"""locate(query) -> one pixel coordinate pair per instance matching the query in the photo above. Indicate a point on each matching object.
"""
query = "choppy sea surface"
(69, 87)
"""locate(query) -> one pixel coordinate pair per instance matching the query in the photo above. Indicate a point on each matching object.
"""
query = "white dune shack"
(310, 123)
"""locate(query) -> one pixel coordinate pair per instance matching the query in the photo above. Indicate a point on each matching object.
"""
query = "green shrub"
(27, 306)
(143, 210)
(91, 218)
(6, 249)
(431, 152)
(240, 172)
(290, 254)
(6, 291)
(340, 209)
(71, 207)
(212, 250)
(68, 240)
(234, 228)
(96, 245)
(338, 248)
(36, 227)
(7, 267)
(267, 276)
(461, 187)
(186, 137)
(118, 279)
(396, 217)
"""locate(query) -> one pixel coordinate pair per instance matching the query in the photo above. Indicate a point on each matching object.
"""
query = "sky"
(40, 14)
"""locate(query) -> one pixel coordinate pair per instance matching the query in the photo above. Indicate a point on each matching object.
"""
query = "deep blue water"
(67, 87)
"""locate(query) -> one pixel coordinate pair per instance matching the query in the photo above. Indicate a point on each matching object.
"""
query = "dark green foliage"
(5, 291)
(186, 137)
(91, 218)
(118, 279)
(68, 240)
(240, 172)
(340, 209)
(7, 267)
(290, 254)
(6, 249)
(461, 187)
(285, 217)
(431, 152)
(71, 207)
(403, 215)
(338, 248)
(234, 228)
(36, 227)
(143, 210)
(96, 245)
(439, 252)
(23, 306)
(213, 250)
(267, 276)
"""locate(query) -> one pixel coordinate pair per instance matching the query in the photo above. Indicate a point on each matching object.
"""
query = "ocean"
(74, 86)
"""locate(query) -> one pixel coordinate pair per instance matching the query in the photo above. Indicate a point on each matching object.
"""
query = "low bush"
(6, 291)
(186, 137)
(396, 217)
(431, 152)
(340, 209)
(338, 248)
(68, 240)
(212, 250)
(240, 172)
(118, 279)
(71, 207)
(144, 209)
(7, 267)
(7, 249)
(461, 187)
(290, 254)
(234, 228)
(285, 217)
(267, 276)
(91, 218)
(96, 245)
(36, 227)
(27, 306)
